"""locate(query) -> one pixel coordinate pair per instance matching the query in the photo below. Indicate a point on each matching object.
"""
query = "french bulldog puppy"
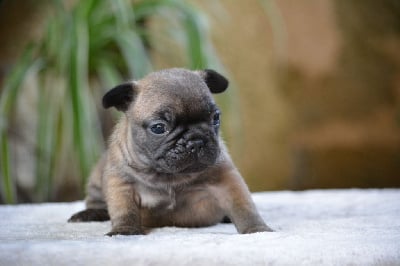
(166, 164)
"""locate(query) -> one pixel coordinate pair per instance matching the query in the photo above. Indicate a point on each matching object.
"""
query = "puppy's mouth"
(188, 156)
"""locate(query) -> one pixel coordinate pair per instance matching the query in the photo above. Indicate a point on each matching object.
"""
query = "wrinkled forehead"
(182, 97)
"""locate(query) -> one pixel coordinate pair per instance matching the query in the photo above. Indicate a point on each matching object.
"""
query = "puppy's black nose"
(195, 145)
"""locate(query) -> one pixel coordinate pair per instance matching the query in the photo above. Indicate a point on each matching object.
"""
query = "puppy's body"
(166, 164)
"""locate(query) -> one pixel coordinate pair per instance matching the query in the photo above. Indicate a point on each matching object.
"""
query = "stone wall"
(319, 85)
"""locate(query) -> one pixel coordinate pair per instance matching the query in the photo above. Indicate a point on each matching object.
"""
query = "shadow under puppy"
(166, 164)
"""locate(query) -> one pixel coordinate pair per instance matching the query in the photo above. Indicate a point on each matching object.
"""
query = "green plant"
(96, 44)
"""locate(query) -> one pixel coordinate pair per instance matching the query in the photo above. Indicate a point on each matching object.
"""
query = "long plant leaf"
(100, 41)
(9, 96)
(8, 99)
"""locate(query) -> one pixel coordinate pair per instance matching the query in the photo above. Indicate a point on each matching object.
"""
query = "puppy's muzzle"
(194, 146)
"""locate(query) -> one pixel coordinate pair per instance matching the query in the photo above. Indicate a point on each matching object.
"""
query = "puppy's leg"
(235, 198)
(123, 207)
(90, 215)
(96, 208)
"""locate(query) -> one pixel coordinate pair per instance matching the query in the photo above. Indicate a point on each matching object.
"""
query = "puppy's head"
(173, 118)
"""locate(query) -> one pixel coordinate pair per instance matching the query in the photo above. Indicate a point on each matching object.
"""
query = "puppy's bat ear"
(120, 96)
(215, 81)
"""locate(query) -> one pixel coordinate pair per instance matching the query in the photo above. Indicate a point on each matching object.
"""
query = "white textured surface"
(332, 227)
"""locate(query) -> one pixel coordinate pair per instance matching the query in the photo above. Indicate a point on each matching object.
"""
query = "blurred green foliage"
(93, 44)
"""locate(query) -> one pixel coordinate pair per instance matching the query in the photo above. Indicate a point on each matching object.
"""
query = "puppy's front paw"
(257, 229)
(125, 230)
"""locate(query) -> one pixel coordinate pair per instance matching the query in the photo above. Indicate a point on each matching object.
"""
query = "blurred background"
(314, 100)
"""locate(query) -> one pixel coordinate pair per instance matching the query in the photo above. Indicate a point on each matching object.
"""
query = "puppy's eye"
(159, 128)
(216, 119)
